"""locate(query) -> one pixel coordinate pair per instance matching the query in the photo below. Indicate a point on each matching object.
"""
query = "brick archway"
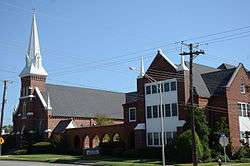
(106, 138)
(96, 134)
(95, 141)
(116, 137)
(86, 142)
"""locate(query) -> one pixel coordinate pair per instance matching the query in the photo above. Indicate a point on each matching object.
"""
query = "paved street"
(25, 163)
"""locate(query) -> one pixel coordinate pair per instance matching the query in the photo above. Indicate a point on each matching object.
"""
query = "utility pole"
(191, 54)
(2, 110)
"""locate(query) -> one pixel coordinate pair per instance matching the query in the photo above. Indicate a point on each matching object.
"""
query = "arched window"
(95, 141)
(116, 137)
(106, 138)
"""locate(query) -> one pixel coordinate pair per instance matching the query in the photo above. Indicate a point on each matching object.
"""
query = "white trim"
(47, 130)
(24, 97)
(169, 61)
(234, 75)
(40, 97)
(30, 113)
(134, 108)
(140, 126)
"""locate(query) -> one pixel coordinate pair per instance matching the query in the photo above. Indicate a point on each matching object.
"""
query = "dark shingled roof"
(216, 81)
(200, 86)
(225, 66)
(61, 126)
(131, 97)
(84, 102)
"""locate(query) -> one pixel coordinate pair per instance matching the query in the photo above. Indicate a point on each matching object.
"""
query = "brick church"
(45, 108)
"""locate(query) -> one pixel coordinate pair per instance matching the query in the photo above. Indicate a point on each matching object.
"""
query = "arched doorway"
(95, 141)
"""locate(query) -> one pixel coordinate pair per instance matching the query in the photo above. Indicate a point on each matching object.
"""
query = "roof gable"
(162, 63)
(217, 81)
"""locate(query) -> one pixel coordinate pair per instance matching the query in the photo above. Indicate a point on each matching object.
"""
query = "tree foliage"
(201, 127)
(103, 120)
(184, 146)
(8, 128)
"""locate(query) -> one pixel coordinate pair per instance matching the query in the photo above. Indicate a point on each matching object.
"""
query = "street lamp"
(151, 79)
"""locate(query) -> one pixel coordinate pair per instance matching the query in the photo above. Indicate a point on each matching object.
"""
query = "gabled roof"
(84, 102)
(200, 86)
(217, 81)
(225, 66)
(62, 126)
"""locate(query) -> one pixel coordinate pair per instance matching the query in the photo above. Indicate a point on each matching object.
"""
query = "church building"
(43, 107)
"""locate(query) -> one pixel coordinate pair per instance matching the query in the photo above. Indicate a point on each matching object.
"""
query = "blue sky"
(92, 43)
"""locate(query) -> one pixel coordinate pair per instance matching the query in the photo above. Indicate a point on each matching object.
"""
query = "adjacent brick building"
(222, 92)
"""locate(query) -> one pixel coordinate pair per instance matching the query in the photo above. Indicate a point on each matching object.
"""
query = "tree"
(201, 128)
(103, 120)
(184, 146)
(7, 128)
(220, 127)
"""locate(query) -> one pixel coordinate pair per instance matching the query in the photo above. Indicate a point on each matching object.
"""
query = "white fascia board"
(140, 126)
(41, 97)
(169, 61)
(71, 125)
(233, 76)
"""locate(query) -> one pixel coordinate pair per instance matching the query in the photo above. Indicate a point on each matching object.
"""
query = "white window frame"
(242, 87)
(130, 109)
(241, 109)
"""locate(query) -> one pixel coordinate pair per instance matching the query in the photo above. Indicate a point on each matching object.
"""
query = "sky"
(91, 43)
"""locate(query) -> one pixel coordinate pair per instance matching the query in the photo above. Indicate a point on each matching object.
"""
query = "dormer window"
(242, 87)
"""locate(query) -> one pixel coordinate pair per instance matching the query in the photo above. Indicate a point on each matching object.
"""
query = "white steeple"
(33, 57)
(141, 74)
(183, 65)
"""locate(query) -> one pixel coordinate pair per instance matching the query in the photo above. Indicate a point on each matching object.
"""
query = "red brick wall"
(125, 132)
(234, 96)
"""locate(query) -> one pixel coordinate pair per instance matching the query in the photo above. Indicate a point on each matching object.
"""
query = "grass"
(98, 160)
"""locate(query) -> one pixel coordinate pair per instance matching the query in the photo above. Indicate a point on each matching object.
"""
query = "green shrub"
(243, 152)
(151, 153)
(41, 147)
(108, 147)
(59, 144)
(130, 153)
(21, 152)
(184, 147)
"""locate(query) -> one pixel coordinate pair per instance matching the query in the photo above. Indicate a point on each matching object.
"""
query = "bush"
(21, 152)
(60, 146)
(184, 147)
(41, 147)
(243, 152)
(108, 148)
(150, 153)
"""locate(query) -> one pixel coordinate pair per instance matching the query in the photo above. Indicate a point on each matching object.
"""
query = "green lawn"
(101, 161)
(98, 161)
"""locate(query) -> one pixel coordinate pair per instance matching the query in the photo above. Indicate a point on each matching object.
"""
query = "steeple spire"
(33, 57)
(141, 74)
